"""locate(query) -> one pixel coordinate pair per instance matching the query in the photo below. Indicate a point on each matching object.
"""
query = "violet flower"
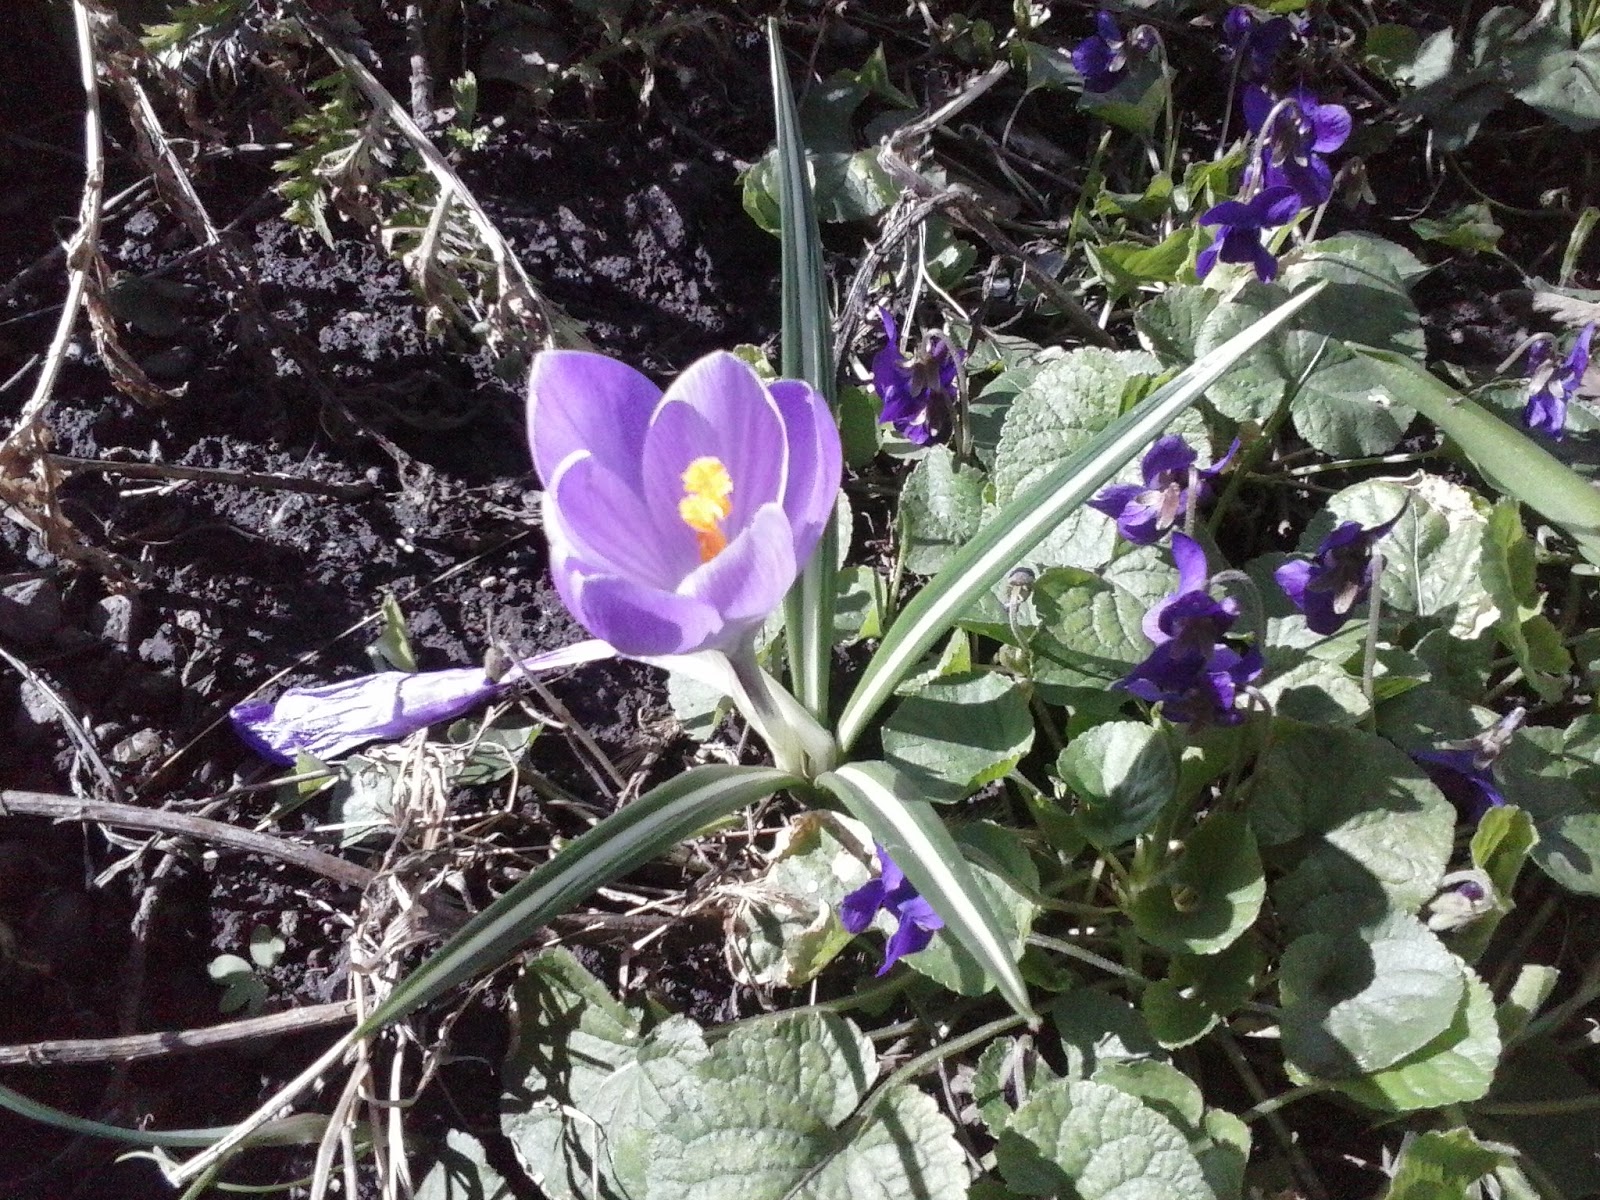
(1144, 512)
(1338, 577)
(891, 892)
(676, 522)
(1103, 59)
(1302, 131)
(1254, 40)
(1551, 386)
(1464, 770)
(1240, 226)
(918, 391)
(1193, 673)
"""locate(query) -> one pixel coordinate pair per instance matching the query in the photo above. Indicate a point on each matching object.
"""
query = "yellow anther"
(705, 503)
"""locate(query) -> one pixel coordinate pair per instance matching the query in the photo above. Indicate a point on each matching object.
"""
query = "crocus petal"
(744, 422)
(1578, 359)
(1229, 212)
(1140, 523)
(748, 579)
(816, 462)
(1330, 124)
(1115, 497)
(1257, 104)
(1265, 264)
(334, 718)
(640, 621)
(582, 401)
(1278, 205)
(894, 879)
(608, 526)
(1206, 259)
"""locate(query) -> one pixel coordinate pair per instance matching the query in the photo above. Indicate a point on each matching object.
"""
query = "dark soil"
(627, 213)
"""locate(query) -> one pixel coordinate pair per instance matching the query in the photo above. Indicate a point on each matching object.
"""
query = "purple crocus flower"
(1464, 770)
(334, 718)
(1340, 576)
(1193, 673)
(677, 522)
(1302, 131)
(891, 892)
(918, 391)
(1144, 512)
(1240, 225)
(1254, 40)
(1102, 59)
(1551, 386)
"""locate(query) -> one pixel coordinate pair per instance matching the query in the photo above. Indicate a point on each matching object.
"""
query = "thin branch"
(269, 481)
(69, 808)
(180, 1041)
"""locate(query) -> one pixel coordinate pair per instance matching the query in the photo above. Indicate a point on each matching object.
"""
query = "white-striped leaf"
(808, 355)
(885, 801)
(1508, 458)
(1032, 514)
(652, 824)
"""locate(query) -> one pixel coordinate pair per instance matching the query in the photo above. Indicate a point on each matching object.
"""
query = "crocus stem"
(797, 742)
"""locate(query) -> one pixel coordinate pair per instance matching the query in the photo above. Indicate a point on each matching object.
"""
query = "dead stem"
(264, 480)
(134, 1047)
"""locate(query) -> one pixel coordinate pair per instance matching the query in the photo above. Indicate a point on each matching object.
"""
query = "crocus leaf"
(886, 801)
(1508, 458)
(807, 355)
(1031, 515)
(630, 837)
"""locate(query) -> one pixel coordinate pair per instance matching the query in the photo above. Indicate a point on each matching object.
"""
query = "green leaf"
(1370, 831)
(1564, 84)
(1508, 574)
(1529, 991)
(1471, 227)
(1359, 1000)
(887, 803)
(767, 1117)
(957, 733)
(807, 355)
(783, 928)
(1341, 406)
(1510, 460)
(1096, 1029)
(1433, 557)
(1554, 775)
(1029, 516)
(1456, 1067)
(1094, 1141)
(941, 506)
(1170, 323)
(1500, 846)
(629, 838)
(1199, 991)
(1007, 882)
(585, 1082)
(1205, 900)
(462, 1172)
(1008, 1070)
(1124, 773)
(1438, 1165)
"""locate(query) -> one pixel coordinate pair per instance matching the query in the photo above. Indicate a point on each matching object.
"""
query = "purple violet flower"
(918, 390)
(1464, 770)
(1338, 577)
(677, 522)
(1144, 513)
(1102, 59)
(1193, 673)
(1302, 131)
(1255, 40)
(1240, 225)
(1551, 386)
(891, 892)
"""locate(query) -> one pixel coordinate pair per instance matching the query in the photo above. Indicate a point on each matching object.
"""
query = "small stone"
(30, 612)
(111, 619)
(36, 714)
(136, 747)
